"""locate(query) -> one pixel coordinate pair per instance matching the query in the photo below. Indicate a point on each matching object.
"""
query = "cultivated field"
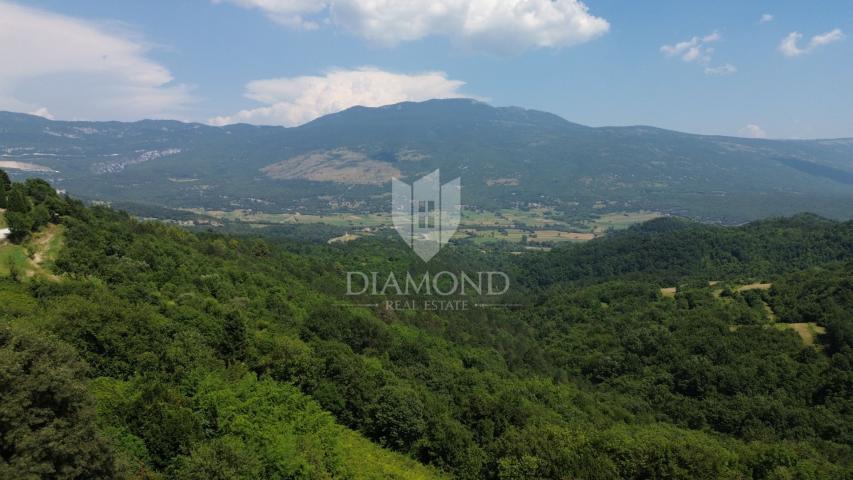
(621, 220)
(535, 225)
(335, 219)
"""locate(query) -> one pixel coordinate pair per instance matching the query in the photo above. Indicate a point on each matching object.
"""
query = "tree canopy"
(163, 353)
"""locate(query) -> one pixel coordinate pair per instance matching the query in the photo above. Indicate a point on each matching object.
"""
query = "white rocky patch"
(142, 157)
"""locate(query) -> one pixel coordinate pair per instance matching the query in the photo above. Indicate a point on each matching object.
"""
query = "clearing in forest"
(755, 286)
(347, 237)
(669, 292)
(807, 331)
(35, 256)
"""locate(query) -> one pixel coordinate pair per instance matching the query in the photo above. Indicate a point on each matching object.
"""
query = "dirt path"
(41, 244)
(807, 331)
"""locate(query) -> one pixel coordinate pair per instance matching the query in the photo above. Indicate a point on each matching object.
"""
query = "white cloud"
(694, 49)
(496, 26)
(80, 70)
(291, 13)
(789, 45)
(697, 50)
(727, 69)
(766, 18)
(297, 100)
(692, 53)
(752, 131)
(712, 37)
(680, 47)
(42, 112)
(825, 39)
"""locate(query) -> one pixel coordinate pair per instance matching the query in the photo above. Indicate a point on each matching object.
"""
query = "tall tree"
(18, 201)
(5, 180)
(3, 192)
(233, 345)
(46, 415)
(5, 184)
(20, 224)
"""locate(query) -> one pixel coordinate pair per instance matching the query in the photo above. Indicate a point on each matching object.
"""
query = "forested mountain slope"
(160, 353)
(668, 250)
(506, 157)
(99, 379)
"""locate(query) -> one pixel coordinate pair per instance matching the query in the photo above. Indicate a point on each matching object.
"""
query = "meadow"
(539, 225)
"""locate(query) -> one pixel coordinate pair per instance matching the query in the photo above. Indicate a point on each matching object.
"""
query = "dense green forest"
(153, 352)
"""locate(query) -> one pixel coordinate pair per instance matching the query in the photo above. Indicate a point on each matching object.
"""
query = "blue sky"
(287, 61)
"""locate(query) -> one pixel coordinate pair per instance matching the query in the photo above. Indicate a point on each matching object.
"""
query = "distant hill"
(673, 251)
(506, 157)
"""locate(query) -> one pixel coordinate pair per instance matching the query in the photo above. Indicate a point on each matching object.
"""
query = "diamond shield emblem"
(426, 214)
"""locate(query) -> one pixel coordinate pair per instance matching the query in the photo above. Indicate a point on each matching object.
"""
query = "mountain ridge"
(508, 157)
(7, 114)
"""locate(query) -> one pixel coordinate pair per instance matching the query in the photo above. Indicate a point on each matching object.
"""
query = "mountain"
(506, 157)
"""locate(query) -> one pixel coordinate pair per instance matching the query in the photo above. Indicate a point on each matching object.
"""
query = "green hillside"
(155, 352)
(95, 384)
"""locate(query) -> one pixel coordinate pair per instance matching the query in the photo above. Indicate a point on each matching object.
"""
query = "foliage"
(218, 356)
(46, 413)
(32, 205)
(4, 189)
(5, 181)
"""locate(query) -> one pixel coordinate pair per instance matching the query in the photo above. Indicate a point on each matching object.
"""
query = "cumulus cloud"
(496, 26)
(752, 131)
(80, 70)
(789, 45)
(698, 50)
(766, 18)
(297, 100)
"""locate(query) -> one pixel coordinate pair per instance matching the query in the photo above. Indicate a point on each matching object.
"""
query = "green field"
(537, 225)
(621, 220)
(13, 257)
(533, 218)
(517, 235)
(261, 218)
(380, 463)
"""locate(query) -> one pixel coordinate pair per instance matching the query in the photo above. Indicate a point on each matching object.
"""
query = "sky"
(775, 69)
